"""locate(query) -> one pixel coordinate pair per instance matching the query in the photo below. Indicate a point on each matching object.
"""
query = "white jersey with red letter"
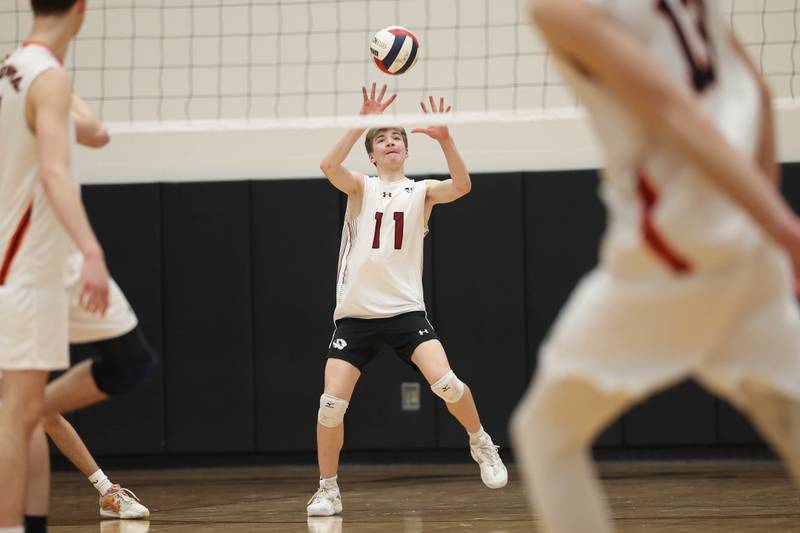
(33, 242)
(663, 215)
(380, 260)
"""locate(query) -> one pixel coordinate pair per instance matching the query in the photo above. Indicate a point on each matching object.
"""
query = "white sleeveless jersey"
(662, 213)
(380, 259)
(33, 243)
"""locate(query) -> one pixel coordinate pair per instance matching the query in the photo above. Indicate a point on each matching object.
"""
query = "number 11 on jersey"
(399, 219)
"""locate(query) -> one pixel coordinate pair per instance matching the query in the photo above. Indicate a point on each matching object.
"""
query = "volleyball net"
(157, 66)
(295, 63)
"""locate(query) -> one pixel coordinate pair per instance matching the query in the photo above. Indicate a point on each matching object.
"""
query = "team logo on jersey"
(339, 344)
(10, 71)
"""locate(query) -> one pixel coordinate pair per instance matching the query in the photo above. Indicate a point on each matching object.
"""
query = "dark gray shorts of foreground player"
(379, 297)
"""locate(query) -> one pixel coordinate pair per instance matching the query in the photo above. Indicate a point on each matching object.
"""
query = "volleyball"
(394, 49)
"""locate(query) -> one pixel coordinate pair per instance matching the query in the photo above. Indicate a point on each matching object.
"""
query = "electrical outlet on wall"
(410, 397)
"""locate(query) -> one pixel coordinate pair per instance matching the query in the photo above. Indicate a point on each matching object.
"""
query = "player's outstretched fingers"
(364, 92)
(424, 109)
(433, 104)
(389, 101)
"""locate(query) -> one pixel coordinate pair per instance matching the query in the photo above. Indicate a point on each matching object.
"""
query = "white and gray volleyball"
(394, 49)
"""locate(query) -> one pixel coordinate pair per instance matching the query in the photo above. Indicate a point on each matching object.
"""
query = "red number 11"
(399, 219)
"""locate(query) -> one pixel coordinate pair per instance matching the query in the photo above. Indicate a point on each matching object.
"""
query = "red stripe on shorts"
(16, 242)
(652, 236)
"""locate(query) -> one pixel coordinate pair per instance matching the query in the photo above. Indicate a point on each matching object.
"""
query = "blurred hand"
(94, 284)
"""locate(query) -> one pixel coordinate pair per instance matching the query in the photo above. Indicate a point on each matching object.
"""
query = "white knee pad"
(331, 410)
(449, 388)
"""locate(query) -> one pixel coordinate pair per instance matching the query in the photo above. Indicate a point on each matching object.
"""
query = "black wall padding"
(208, 326)
(127, 220)
(480, 300)
(682, 415)
(295, 243)
(375, 420)
(234, 283)
(733, 427)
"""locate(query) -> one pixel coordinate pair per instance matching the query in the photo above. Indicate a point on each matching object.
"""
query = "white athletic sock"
(475, 437)
(330, 482)
(15, 529)
(100, 482)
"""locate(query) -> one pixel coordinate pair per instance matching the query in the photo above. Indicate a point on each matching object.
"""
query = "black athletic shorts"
(358, 340)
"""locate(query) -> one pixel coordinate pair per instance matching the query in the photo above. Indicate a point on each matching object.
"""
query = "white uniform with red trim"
(687, 282)
(40, 266)
(380, 259)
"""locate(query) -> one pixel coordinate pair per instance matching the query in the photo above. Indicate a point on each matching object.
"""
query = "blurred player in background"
(695, 275)
(54, 284)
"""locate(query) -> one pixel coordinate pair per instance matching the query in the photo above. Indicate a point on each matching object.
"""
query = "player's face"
(388, 148)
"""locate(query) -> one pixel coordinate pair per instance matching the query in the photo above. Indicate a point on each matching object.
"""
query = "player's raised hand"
(94, 284)
(439, 133)
(373, 105)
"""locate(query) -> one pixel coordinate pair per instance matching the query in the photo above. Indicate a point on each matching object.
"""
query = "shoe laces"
(323, 493)
(126, 495)
(487, 452)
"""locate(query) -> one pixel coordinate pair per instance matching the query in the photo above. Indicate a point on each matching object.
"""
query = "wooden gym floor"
(708, 497)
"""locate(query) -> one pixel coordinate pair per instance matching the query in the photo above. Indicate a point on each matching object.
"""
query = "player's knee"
(449, 388)
(30, 414)
(533, 422)
(331, 410)
(123, 363)
(24, 409)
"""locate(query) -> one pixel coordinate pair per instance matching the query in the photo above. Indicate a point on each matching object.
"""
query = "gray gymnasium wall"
(234, 285)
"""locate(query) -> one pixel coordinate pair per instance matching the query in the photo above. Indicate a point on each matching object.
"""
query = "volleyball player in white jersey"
(50, 293)
(379, 289)
(115, 501)
(695, 275)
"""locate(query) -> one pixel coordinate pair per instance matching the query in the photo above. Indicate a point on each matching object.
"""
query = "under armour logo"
(339, 344)
(423, 331)
(329, 405)
(409, 189)
(385, 194)
(446, 388)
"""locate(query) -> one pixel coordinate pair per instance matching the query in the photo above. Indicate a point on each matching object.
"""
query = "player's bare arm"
(459, 184)
(343, 179)
(766, 144)
(89, 128)
(591, 39)
(49, 107)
